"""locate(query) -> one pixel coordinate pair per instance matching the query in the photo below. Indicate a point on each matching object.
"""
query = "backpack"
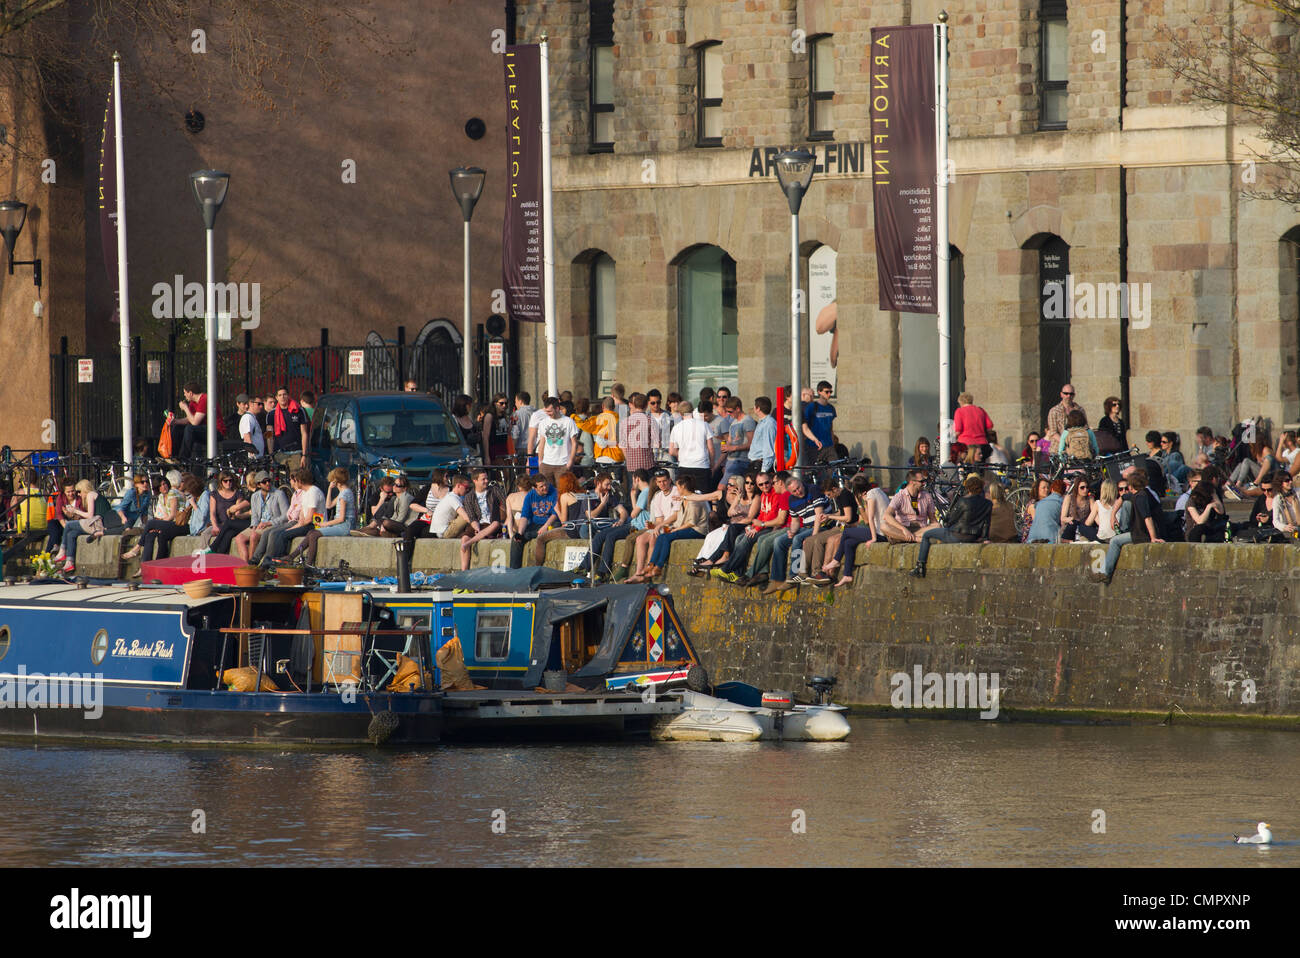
(1076, 443)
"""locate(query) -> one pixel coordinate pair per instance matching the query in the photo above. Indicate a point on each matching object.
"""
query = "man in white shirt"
(662, 417)
(555, 439)
(445, 523)
(536, 421)
(691, 442)
(250, 431)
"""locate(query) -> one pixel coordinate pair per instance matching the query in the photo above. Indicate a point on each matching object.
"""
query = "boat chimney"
(403, 566)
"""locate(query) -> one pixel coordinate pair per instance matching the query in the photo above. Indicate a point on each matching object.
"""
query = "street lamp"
(794, 171)
(467, 187)
(12, 217)
(210, 192)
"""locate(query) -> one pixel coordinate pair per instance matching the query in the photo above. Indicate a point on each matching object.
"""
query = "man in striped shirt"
(638, 436)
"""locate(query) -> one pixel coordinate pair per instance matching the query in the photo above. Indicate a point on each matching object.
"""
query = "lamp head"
(467, 187)
(12, 217)
(210, 193)
(794, 171)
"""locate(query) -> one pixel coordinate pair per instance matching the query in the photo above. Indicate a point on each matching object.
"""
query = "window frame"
(594, 106)
(703, 103)
(479, 631)
(1051, 11)
(816, 96)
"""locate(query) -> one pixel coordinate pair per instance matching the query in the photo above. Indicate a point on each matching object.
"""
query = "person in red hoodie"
(288, 431)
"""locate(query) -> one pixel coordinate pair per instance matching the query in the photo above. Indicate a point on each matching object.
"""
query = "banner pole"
(943, 255)
(123, 309)
(548, 228)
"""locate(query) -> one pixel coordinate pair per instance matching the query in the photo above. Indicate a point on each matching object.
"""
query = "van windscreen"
(410, 427)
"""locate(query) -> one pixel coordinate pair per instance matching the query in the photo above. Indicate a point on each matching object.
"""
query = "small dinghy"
(735, 708)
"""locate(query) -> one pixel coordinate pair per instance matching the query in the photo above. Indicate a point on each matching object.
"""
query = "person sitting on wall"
(968, 521)
(1140, 505)
(911, 512)
(537, 516)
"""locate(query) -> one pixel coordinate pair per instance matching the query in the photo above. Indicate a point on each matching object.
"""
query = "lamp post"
(12, 217)
(794, 171)
(210, 192)
(467, 186)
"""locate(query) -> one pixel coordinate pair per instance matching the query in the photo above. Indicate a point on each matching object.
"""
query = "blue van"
(359, 429)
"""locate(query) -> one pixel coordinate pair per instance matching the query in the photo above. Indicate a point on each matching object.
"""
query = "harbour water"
(896, 793)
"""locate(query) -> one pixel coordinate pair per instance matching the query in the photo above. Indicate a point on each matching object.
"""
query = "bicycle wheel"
(1018, 500)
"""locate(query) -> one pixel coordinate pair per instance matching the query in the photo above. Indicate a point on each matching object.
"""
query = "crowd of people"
(664, 469)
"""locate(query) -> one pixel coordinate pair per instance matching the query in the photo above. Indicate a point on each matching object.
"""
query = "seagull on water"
(1263, 837)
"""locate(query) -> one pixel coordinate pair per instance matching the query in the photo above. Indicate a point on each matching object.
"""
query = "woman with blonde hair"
(95, 516)
(1107, 504)
(343, 501)
(1002, 523)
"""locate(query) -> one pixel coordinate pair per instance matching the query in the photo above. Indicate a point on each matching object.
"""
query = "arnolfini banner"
(521, 247)
(903, 174)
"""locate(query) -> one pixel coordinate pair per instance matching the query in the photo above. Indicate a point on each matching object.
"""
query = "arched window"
(1054, 314)
(706, 311)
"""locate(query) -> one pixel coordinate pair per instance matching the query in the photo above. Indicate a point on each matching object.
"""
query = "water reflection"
(897, 793)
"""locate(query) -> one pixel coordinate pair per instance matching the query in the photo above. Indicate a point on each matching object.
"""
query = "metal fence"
(85, 397)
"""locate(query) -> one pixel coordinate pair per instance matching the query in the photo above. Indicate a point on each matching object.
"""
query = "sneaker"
(819, 583)
(731, 577)
(717, 573)
(798, 578)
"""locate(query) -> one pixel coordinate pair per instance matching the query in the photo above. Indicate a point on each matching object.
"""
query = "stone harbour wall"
(1195, 632)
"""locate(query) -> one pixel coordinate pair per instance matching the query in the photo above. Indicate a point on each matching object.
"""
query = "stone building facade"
(1074, 151)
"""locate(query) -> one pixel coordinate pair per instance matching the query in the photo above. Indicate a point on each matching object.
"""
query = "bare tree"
(1248, 63)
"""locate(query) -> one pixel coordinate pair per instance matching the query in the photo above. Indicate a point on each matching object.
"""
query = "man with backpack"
(1078, 441)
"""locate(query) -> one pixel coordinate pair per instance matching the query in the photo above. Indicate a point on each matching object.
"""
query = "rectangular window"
(601, 41)
(492, 636)
(709, 95)
(821, 88)
(1055, 66)
(604, 339)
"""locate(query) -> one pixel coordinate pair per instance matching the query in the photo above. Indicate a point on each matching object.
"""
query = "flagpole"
(943, 255)
(123, 311)
(548, 227)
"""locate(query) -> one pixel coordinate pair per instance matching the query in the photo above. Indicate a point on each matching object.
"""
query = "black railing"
(88, 415)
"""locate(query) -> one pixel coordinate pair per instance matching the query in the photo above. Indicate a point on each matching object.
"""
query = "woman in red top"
(971, 423)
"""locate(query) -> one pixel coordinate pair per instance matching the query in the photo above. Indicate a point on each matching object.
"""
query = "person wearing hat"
(380, 506)
(268, 509)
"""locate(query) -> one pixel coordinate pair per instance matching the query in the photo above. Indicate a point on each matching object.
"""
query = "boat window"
(492, 635)
(4, 640)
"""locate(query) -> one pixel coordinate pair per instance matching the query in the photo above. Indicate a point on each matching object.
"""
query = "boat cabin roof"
(158, 597)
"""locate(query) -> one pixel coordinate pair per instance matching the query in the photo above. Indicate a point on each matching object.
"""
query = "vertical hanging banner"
(108, 196)
(903, 175)
(521, 246)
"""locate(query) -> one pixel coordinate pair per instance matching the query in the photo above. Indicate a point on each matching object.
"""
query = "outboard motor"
(821, 686)
(779, 703)
(403, 566)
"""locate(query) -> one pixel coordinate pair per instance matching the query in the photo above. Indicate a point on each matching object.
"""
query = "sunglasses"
(1067, 394)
